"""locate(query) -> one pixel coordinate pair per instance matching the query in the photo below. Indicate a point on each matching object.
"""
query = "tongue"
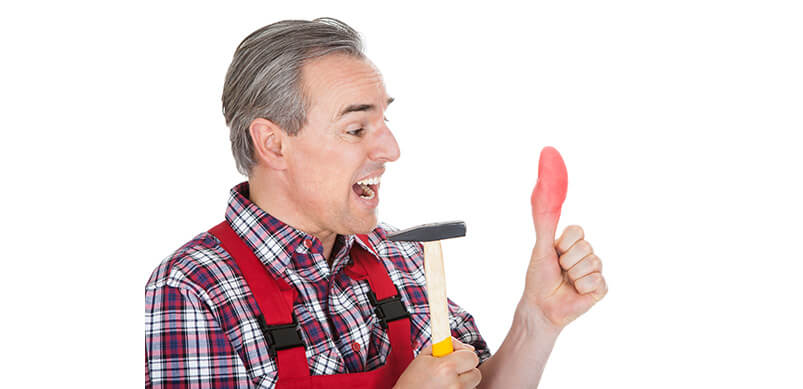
(358, 189)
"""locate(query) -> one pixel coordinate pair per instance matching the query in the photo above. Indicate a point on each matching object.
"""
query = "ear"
(267, 137)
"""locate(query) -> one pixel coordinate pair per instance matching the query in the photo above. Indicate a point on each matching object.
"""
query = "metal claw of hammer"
(430, 235)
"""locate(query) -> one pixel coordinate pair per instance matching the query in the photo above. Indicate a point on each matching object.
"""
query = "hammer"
(430, 235)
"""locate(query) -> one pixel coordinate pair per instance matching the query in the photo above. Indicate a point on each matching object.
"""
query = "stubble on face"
(324, 158)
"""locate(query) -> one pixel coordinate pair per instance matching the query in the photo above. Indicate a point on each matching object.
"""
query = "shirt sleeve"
(465, 330)
(185, 346)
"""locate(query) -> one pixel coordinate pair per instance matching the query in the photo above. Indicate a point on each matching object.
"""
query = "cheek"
(325, 170)
(325, 179)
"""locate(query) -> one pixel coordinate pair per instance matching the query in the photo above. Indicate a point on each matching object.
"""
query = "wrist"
(521, 358)
(531, 319)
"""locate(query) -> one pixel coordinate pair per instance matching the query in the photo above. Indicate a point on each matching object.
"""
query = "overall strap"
(274, 299)
(389, 308)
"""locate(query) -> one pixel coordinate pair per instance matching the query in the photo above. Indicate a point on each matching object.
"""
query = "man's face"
(345, 140)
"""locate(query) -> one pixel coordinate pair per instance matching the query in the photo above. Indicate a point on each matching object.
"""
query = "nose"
(386, 148)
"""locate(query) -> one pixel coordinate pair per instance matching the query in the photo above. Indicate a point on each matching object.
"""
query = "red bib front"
(275, 301)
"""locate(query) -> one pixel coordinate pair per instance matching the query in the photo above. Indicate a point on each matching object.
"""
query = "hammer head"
(430, 232)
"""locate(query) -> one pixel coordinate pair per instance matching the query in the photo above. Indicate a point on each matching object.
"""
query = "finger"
(547, 199)
(426, 350)
(592, 283)
(577, 252)
(589, 264)
(458, 345)
(570, 236)
(599, 293)
(470, 379)
(598, 286)
(463, 360)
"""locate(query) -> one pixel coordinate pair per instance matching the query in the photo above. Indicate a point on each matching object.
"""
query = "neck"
(274, 201)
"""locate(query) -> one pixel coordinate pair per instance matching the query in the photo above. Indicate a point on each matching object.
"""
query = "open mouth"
(367, 188)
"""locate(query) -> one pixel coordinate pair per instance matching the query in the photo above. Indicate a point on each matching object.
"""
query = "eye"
(356, 132)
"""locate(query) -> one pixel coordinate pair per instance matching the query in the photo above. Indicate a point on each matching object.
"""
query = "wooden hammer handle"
(436, 292)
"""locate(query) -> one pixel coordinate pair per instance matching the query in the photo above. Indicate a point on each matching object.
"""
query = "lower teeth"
(368, 193)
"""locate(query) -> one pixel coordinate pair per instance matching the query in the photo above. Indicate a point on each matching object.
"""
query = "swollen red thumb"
(547, 199)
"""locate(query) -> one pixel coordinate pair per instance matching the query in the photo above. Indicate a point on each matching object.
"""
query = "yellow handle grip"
(442, 348)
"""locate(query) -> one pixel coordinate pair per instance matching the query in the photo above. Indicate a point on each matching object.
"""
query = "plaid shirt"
(201, 329)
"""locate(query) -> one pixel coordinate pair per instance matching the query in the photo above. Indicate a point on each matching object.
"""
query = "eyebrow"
(360, 108)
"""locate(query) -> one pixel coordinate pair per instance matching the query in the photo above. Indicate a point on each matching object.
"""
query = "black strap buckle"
(389, 309)
(281, 336)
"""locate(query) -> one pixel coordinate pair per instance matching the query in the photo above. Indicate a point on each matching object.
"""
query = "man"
(284, 293)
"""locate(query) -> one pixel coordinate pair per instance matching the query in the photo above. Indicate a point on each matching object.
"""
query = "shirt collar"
(277, 244)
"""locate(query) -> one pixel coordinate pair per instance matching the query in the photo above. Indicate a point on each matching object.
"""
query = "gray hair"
(264, 78)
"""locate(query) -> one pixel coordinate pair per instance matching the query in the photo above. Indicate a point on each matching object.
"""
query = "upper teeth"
(369, 181)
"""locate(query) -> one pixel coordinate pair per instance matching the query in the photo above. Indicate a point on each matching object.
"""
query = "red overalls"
(275, 300)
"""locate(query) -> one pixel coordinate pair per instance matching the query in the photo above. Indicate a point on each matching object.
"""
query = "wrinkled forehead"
(336, 80)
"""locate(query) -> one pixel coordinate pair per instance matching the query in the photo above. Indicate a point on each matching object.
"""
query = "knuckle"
(446, 369)
(476, 376)
(575, 272)
(565, 261)
(576, 230)
(581, 285)
(596, 263)
(591, 282)
(570, 235)
(602, 292)
(598, 280)
(584, 246)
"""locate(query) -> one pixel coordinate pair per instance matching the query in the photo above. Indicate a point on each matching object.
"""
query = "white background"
(679, 122)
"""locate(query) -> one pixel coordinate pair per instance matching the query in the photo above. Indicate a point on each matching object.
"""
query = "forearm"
(520, 360)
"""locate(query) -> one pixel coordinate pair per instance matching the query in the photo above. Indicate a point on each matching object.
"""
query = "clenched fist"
(455, 370)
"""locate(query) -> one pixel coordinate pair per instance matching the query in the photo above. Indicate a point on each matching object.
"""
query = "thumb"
(547, 200)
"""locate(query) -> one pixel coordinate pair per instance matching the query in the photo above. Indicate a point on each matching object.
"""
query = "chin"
(365, 226)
